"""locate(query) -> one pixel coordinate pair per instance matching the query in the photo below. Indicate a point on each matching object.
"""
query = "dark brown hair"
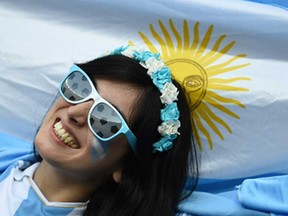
(151, 184)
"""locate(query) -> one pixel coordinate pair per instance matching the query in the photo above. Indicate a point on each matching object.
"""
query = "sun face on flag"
(199, 68)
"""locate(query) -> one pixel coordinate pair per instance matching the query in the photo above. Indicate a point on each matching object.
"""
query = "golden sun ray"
(198, 68)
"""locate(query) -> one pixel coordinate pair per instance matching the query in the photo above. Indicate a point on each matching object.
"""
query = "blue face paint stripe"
(32, 205)
(98, 150)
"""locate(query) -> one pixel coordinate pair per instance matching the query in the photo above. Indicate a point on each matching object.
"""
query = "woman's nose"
(77, 113)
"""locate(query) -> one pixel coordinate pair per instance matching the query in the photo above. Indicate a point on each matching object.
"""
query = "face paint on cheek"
(99, 149)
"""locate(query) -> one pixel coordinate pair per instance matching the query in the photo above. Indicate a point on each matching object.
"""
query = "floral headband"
(161, 77)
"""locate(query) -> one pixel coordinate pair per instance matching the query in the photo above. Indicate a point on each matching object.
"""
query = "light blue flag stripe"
(277, 3)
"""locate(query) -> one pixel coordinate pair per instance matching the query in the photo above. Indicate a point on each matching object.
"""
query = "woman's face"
(76, 157)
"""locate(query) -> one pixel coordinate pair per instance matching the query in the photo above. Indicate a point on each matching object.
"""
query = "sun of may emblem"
(199, 68)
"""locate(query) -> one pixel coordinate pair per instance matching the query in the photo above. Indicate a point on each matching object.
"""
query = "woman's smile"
(65, 136)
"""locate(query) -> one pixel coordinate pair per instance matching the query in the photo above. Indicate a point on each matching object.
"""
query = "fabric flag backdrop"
(231, 56)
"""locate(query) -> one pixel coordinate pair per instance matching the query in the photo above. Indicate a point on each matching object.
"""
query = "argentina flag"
(231, 56)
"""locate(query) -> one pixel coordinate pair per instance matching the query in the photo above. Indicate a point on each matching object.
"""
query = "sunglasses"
(104, 120)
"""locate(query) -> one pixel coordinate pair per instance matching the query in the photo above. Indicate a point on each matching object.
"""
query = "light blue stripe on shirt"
(33, 206)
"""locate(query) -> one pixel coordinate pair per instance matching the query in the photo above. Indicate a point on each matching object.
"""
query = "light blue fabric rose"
(161, 77)
(170, 112)
(164, 144)
(143, 56)
(119, 50)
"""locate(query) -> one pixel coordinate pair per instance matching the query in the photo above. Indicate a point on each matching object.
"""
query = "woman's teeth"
(64, 136)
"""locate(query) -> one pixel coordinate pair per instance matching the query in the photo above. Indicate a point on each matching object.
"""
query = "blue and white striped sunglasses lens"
(103, 119)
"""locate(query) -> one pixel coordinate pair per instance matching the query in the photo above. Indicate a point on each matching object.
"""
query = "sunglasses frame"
(98, 99)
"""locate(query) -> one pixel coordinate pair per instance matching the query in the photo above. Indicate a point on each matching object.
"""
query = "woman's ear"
(117, 175)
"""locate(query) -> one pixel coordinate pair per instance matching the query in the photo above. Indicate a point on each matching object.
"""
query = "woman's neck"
(57, 186)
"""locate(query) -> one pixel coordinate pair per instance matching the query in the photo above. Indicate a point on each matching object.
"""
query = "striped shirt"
(20, 196)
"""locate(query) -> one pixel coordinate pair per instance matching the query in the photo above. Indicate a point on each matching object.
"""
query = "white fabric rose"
(169, 93)
(153, 65)
(169, 127)
(130, 50)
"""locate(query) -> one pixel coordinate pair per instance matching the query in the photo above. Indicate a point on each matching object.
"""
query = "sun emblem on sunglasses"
(201, 70)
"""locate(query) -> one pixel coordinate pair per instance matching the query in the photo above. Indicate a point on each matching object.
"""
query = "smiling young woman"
(117, 141)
